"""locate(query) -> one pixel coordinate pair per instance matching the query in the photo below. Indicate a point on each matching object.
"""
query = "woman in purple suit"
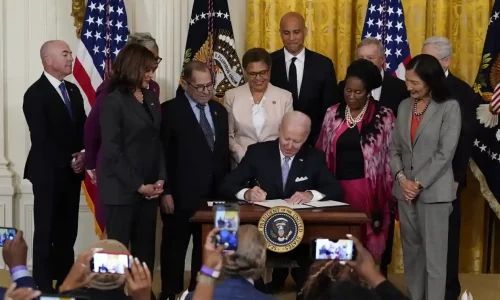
(92, 132)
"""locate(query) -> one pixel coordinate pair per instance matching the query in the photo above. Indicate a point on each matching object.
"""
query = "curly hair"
(249, 260)
(325, 273)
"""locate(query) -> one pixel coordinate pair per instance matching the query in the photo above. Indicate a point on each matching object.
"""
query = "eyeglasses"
(201, 88)
(158, 59)
(262, 74)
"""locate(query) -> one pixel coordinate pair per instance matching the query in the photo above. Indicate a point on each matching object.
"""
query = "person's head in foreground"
(294, 130)
(249, 260)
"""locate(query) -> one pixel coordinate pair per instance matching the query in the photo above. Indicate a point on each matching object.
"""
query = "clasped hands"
(152, 191)
(410, 189)
(256, 194)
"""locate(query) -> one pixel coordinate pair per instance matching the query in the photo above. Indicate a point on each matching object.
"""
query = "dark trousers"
(134, 225)
(386, 259)
(56, 227)
(176, 233)
(301, 255)
(452, 282)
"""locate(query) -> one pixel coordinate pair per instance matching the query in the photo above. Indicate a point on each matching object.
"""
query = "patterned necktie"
(62, 87)
(205, 126)
(285, 169)
(292, 79)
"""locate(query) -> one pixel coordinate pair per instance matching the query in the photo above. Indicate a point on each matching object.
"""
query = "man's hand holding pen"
(255, 194)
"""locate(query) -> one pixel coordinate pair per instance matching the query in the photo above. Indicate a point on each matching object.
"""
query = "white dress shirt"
(378, 91)
(446, 73)
(258, 115)
(316, 195)
(55, 83)
(299, 65)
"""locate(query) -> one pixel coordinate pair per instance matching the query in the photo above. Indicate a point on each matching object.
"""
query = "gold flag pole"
(78, 13)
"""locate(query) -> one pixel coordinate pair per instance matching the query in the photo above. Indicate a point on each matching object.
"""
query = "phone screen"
(329, 249)
(113, 263)
(227, 218)
(7, 233)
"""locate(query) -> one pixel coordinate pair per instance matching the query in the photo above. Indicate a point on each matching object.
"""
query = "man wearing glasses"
(196, 145)
(440, 48)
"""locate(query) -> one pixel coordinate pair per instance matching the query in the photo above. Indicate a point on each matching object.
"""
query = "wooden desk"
(332, 223)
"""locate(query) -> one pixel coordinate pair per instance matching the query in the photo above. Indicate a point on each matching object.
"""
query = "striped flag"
(104, 33)
(385, 20)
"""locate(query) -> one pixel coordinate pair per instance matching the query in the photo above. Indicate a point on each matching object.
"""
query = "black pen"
(257, 182)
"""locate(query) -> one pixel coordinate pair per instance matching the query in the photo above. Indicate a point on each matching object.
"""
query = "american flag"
(385, 21)
(104, 33)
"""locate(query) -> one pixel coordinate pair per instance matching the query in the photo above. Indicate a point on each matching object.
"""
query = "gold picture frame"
(78, 13)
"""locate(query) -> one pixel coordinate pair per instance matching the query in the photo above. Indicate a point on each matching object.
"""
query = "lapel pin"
(274, 102)
(215, 113)
(301, 159)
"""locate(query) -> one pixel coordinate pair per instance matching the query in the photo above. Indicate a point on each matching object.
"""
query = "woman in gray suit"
(423, 145)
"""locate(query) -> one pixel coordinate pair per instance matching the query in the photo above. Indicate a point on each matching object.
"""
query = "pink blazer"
(242, 133)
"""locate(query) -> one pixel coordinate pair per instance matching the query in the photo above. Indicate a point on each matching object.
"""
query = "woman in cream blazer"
(256, 108)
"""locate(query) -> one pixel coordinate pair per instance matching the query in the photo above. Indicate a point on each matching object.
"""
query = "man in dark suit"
(54, 111)
(440, 48)
(196, 145)
(275, 167)
(308, 75)
(393, 90)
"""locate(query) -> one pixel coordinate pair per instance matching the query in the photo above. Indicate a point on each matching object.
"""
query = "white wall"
(24, 26)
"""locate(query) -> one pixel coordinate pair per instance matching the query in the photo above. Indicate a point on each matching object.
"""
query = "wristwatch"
(419, 184)
(203, 278)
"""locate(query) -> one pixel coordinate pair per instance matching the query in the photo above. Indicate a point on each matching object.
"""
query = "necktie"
(285, 169)
(205, 126)
(292, 79)
(64, 92)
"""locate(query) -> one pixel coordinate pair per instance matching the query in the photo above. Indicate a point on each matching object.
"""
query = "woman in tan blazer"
(256, 108)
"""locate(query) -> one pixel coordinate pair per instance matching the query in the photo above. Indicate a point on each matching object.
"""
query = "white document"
(326, 203)
(279, 202)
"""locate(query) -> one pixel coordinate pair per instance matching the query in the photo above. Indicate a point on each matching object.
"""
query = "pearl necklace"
(351, 122)
(419, 114)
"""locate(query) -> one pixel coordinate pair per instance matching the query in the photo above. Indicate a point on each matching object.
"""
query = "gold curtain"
(334, 29)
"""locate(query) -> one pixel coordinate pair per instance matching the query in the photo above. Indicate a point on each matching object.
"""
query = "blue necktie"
(285, 169)
(64, 92)
(205, 126)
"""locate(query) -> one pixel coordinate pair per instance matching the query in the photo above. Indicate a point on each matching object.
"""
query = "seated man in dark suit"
(285, 169)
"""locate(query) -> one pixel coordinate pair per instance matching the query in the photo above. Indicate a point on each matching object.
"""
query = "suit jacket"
(429, 158)
(132, 153)
(235, 288)
(467, 99)
(317, 91)
(23, 282)
(393, 92)
(239, 103)
(55, 136)
(194, 172)
(92, 132)
(262, 163)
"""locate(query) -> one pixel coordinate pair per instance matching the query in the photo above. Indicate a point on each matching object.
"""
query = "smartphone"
(227, 218)
(7, 233)
(333, 249)
(111, 263)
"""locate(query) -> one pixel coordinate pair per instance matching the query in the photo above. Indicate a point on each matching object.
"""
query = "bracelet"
(400, 176)
(209, 272)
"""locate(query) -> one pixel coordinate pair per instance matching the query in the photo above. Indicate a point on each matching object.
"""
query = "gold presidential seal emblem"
(282, 227)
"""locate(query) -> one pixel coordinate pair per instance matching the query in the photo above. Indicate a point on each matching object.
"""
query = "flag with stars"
(211, 40)
(104, 33)
(385, 21)
(486, 150)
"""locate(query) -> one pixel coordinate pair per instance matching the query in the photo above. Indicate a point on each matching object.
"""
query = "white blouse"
(258, 116)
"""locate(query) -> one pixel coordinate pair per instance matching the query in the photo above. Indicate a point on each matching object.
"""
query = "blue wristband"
(209, 272)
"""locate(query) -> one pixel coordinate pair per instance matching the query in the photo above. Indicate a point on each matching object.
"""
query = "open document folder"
(311, 204)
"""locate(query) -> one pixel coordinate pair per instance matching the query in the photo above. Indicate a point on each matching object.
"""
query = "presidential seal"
(282, 227)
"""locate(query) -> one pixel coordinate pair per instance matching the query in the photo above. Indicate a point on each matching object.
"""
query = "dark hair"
(367, 72)
(323, 274)
(256, 55)
(346, 290)
(129, 67)
(192, 66)
(431, 72)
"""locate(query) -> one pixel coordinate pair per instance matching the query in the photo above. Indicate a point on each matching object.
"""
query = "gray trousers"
(424, 235)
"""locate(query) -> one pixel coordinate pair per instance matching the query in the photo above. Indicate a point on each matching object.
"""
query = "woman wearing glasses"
(92, 134)
(256, 108)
